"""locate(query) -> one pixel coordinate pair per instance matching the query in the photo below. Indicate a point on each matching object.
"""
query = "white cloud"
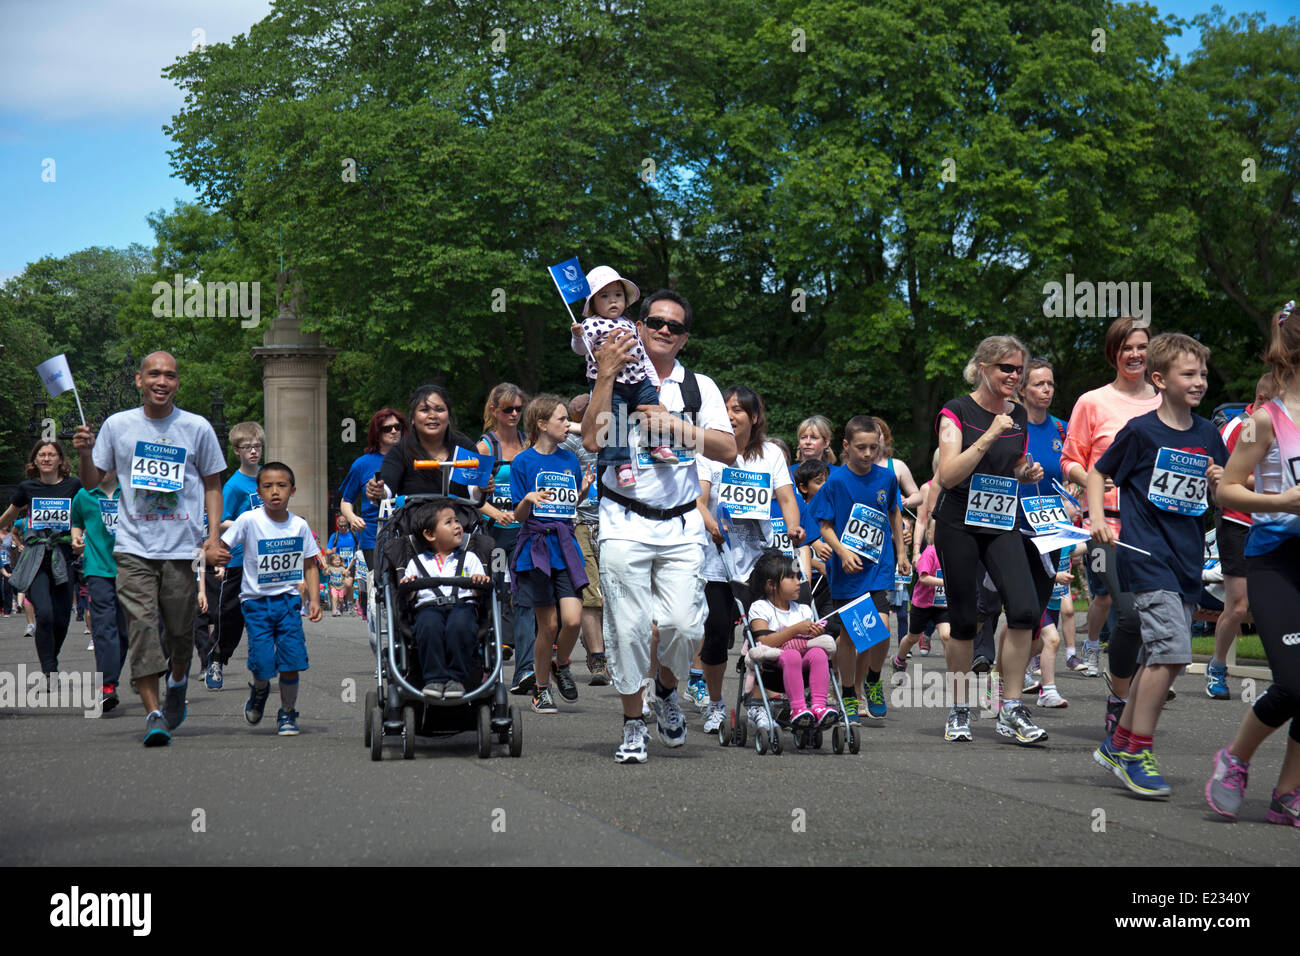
(84, 59)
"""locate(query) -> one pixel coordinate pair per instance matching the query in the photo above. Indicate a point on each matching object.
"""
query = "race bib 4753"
(1178, 482)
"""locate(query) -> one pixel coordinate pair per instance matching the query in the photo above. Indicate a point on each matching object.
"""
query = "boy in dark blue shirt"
(858, 512)
(1166, 464)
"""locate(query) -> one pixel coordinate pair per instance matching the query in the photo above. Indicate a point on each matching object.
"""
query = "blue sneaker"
(1216, 683)
(256, 702)
(1140, 774)
(213, 677)
(698, 691)
(155, 730)
(851, 710)
(1107, 756)
(286, 723)
(876, 700)
(174, 706)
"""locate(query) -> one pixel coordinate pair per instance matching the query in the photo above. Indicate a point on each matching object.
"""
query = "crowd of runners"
(644, 516)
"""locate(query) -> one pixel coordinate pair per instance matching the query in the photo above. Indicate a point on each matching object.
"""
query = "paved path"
(85, 792)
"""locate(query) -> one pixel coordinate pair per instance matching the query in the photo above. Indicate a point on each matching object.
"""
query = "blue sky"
(80, 85)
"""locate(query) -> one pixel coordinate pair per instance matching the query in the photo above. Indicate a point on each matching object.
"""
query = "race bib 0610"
(564, 496)
(158, 467)
(1178, 482)
(279, 560)
(864, 532)
(747, 494)
(52, 513)
(991, 502)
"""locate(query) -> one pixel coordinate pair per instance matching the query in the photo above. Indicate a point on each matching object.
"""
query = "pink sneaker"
(803, 720)
(1226, 787)
(626, 476)
(826, 717)
(665, 454)
(1285, 809)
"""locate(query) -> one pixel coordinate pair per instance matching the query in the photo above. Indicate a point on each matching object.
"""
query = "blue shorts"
(275, 640)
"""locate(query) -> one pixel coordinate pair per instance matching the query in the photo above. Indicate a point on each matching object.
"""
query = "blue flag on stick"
(862, 624)
(479, 476)
(570, 280)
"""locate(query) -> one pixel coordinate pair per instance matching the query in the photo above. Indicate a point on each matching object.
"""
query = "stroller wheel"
(760, 741)
(376, 733)
(724, 734)
(855, 740)
(775, 742)
(817, 740)
(371, 700)
(739, 729)
(484, 731)
(408, 732)
(837, 739)
(516, 732)
(800, 740)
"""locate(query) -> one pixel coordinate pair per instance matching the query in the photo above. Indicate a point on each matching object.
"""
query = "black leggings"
(720, 624)
(1273, 586)
(1012, 562)
(1126, 635)
(53, 606)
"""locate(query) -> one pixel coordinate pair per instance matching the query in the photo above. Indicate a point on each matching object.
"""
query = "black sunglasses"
(512, 410)
(389, 428)
(656, 323)
(1008, 369)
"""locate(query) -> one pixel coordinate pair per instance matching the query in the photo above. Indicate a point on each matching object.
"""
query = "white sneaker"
(1050, 698)
(758, 717)
(670, 722)
(1092, 661)
(714, 716)
(31, 629)
(632, 750)
(90, 646)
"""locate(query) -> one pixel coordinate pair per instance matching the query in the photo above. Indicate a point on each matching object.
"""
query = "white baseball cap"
(602, 276)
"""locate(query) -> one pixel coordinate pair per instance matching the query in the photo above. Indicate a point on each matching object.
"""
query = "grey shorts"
(1166, 621)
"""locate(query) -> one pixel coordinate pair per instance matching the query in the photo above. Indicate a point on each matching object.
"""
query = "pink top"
(1096, 420)
(927, 563)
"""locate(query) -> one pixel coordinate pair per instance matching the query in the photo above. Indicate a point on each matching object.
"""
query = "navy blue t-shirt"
(1176, 541)
(834, 503)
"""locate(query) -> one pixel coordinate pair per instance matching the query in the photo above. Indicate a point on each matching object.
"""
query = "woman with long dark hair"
(386, 428)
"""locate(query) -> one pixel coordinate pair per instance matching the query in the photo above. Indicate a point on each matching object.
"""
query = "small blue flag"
(724, 523)
(862, 624)
(570, 280)
(480, 476)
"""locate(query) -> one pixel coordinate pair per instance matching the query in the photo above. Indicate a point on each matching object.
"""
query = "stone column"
(294, 386)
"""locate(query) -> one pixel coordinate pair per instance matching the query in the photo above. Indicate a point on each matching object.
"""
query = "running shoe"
(1092, 660)
(981, 665)
(453, 690)
(876, 708)
(1048, 697)
(1036, 665)
(1216, 683)
(714, 717)
(698, 691)
(31, 629)
(924, 646)
(626, 476)
(1284, 809)
(91, 645)
(564, 681)
(1226, 787)
(524, 683)
(173, 706)
(1170, 696)
(256, 702)
(758, 717)
(1141, 775)
(544, 702)
(826, 717)
(214, 678)
(900, 672)
(110, 697)
(664, 453)
(1107, 756)
(1114, 711)
(670, 722)
(1015, 722)
(599, 668)
(286, 723)
(1032, 684)
(1075, 663)
(433, 690)
(851, 710)
(632, 749)
(958, 726)
(155, 730)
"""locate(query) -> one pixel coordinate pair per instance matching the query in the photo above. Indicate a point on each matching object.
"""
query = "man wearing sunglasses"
(652, 535)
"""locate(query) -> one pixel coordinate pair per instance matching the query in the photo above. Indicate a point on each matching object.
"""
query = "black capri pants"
(720, 624)
(1012, 562)
(1273, 586)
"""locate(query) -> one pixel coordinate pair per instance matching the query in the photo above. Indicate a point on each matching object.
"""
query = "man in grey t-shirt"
(169, 465)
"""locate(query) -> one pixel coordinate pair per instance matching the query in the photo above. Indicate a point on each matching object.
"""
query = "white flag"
(56, 375)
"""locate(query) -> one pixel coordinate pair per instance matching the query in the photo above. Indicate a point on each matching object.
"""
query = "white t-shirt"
(749, 536)
(665, 486)
(778, 620)
(275, 552)
(161, 464)
(432, 569)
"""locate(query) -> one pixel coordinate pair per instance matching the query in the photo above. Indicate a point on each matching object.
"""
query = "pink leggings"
(796, 660)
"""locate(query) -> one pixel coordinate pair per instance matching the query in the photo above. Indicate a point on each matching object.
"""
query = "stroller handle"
(427, 464)
(464, 584)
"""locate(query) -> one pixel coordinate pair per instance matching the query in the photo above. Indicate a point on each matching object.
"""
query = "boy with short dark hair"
(1166, 463)
(277, 548)
(858, 511)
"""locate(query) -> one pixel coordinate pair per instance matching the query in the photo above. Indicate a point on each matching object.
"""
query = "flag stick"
(572, 320)
(78, 398)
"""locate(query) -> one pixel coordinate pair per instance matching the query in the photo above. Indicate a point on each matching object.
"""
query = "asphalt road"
(84, 792)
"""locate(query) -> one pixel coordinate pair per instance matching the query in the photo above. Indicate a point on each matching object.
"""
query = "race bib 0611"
(1044, 511)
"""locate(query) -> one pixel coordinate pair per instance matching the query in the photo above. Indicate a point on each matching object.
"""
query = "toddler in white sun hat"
(637, 384)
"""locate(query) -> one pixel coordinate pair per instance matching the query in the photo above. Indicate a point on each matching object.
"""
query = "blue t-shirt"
(353, 490)
(525, 470)
(834, 503)
(1176, 541)
(345, 544)
(1045, 443)
(239, 495)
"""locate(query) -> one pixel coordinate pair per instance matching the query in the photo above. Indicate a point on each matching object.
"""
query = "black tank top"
(1000, 460)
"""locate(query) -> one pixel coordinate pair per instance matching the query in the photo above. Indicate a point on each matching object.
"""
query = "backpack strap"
(692, 401)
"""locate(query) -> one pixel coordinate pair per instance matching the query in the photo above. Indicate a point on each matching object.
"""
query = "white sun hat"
(602, 276)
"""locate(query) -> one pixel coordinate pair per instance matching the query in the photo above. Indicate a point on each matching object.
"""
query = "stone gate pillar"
(294, 389)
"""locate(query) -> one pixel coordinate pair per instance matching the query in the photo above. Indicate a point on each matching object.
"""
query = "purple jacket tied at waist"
(532, 534)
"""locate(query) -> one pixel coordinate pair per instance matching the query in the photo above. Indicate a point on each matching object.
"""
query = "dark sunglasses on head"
(656, 323)
(390, 428)
(512, 410)
(1008, 369)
